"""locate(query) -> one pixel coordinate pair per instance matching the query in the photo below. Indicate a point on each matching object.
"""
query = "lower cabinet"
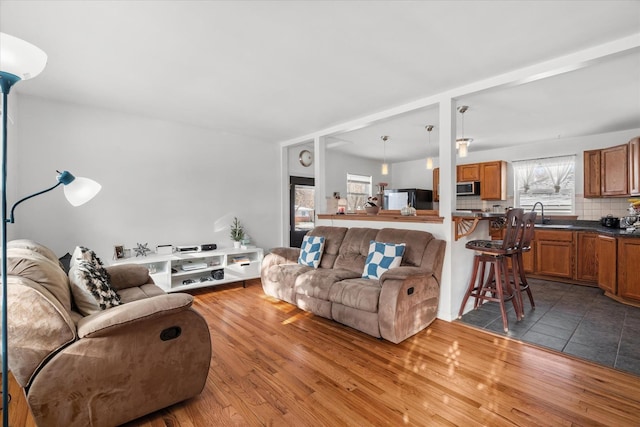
(554, 253)
(607, 263)
(628, 262)
(586, 257)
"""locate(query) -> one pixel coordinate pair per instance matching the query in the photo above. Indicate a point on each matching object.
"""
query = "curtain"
(560, 170)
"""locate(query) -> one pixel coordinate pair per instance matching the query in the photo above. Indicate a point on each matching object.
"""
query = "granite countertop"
(558, 224)
(583, 225)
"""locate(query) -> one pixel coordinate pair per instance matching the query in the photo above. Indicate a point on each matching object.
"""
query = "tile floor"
(573, 319)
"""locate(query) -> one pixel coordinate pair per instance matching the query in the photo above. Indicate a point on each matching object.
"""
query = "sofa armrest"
(128, 276)
(112, 319)
(401, 273)
(408, 302)
(285, 255)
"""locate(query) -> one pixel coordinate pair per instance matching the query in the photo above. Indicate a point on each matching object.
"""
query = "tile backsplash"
(586, 209)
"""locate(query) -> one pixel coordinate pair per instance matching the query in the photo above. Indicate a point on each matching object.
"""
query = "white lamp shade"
(20, 58)
(81, 190)
(463, 149)
(429, 163)
(385, 169)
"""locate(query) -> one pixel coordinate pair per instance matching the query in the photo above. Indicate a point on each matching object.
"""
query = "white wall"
(340, 164)
(337, 165)
(162, 182)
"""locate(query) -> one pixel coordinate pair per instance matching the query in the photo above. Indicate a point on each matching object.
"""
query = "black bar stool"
(497, 286)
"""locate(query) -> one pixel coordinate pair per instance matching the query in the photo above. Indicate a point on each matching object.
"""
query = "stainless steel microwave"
(471, 188)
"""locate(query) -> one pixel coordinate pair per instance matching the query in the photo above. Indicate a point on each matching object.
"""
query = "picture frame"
(118, 251)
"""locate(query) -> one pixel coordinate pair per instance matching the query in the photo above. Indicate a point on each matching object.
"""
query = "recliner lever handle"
(170, 333)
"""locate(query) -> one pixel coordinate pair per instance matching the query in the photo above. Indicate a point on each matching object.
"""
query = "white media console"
(181, 271)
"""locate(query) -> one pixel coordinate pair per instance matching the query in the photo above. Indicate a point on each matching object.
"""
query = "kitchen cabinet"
(493, 180)
(606, 249)
(467, 173)
(614, 171)
(634, 166)
(554, 253)
(436, 184)
(586, 257)
(628, 262)
(592, 173)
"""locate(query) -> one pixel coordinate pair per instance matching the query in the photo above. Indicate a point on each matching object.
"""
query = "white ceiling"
(276, 70)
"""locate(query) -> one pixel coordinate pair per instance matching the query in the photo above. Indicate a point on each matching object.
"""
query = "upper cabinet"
(467, 173)
(436, 184)
(613, 171)
(634, 166)
(493, 180)
(491, 175)
(592, 173)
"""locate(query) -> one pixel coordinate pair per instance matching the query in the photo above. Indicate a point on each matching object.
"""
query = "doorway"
(302, 212)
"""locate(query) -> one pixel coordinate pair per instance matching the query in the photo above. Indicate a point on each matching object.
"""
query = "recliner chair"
(107, 368)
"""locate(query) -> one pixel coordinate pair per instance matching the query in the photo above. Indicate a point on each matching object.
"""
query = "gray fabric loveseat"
(395, 306)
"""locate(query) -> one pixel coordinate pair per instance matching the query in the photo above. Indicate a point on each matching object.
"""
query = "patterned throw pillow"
(311, 251)
(382, 257)
(90, 283)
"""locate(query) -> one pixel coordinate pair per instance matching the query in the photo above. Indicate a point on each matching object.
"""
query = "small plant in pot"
(237, 232)
(371, 206)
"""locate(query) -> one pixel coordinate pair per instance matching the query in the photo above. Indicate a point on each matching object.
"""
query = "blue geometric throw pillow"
(311, 251)
(382, 257)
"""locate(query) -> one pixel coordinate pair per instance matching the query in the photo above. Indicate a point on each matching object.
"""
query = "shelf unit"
(182, 271)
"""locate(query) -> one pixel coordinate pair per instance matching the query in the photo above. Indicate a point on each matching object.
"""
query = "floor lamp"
(20, 60)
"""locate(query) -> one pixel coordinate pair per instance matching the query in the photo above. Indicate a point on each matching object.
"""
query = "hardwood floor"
(274, 364)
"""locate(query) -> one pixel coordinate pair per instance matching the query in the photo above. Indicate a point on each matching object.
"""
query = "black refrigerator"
(416, 197)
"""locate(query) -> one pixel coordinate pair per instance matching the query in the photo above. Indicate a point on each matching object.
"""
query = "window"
(358, 190)
(550, 180)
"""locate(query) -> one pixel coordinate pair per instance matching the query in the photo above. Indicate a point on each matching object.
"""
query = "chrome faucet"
(543, 220)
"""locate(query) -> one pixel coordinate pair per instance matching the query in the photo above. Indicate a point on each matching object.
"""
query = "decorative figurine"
(141, 250)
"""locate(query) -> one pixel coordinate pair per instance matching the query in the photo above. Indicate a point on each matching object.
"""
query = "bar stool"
(497, 286)
(524, 245)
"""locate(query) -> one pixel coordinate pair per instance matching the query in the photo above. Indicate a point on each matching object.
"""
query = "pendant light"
(429, 128)
(385, 165)
(462, 144)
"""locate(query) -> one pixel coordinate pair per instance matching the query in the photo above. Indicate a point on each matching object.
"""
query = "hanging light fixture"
(429, 128)
(385, 165)
(462, 144)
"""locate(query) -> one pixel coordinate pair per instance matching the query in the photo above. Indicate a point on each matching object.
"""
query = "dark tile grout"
(568, 299)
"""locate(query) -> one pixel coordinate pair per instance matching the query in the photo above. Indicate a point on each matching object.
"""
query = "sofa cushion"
(311, 251)
(89, 282)
(361, 294)
(382, 257)
(355, 248)
(317, 283)
(42, 270)
(333, 237)
(416, 242)
(33, 246)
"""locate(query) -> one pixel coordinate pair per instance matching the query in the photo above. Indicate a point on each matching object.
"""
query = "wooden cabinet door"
(493, 180)
(586, 257)
(614, 171)
(606, 251)
(436, 184)
(554, 253)
(528, 259)
(467, 173)
(628, 262)
(592, 173)
(634, 166)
